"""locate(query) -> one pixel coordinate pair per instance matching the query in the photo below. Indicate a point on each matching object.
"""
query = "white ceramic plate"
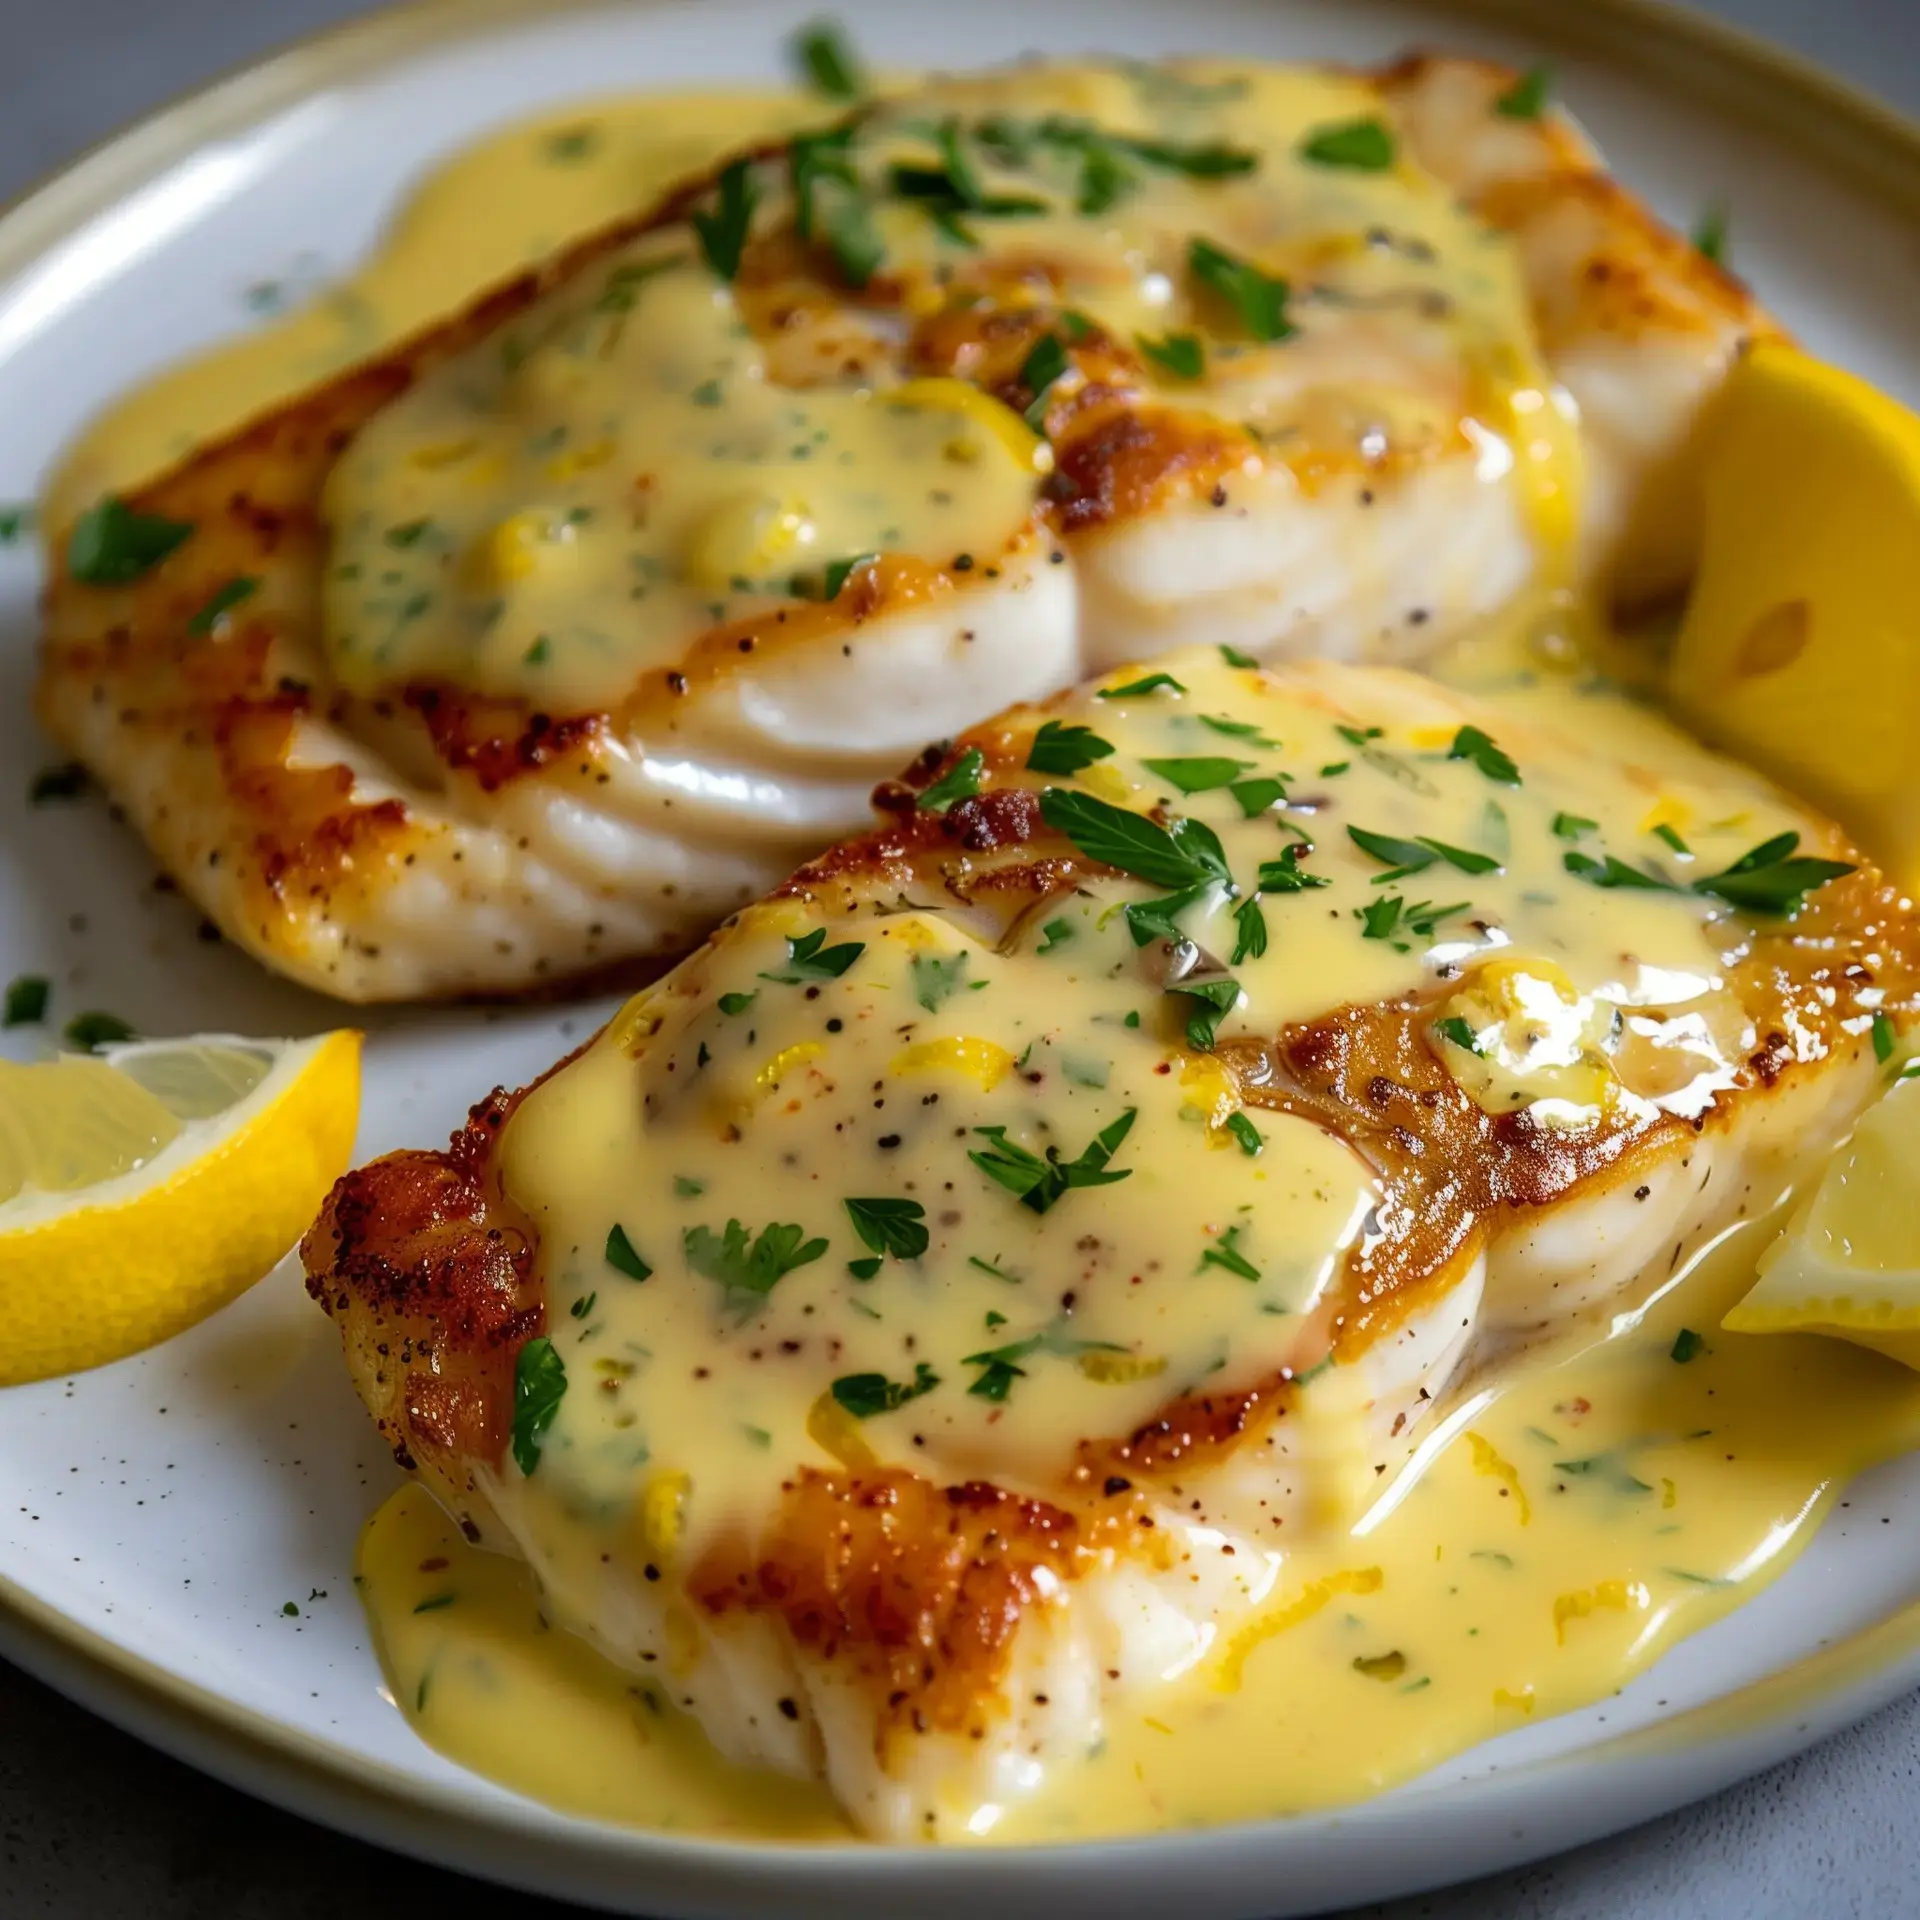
(176, 1532)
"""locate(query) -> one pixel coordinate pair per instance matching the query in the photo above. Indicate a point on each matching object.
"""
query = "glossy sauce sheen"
(1573, 1529)
(1507, 1583)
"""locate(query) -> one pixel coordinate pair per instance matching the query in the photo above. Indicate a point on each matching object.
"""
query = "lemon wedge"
(143, 1188)
(1800, 650)
(1848, 1260)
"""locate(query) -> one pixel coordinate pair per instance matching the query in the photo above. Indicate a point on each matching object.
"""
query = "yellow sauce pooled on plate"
(1577, 1520)
(1563, 1527)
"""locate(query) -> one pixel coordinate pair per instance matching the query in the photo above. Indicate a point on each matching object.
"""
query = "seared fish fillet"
(552, 636)
(928, 1316)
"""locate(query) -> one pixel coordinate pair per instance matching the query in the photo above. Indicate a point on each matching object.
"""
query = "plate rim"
(1841, 129)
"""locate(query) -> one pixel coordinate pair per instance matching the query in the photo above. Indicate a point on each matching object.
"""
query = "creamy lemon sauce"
(1574, 1525)
(1566, 1530)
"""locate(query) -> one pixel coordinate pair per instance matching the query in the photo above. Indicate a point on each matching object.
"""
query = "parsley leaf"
(1286, 875)
(222, 600)
(1573, 826)
(961, 781)
(623, 1257)
(1258, 298)
(1215, 1000)
(1058, 933)
(1151, 684)
(112, 544)
(92, 1031)
(752, 1270)
(1038, 1183)
(1471, 744)
(1455, 1029)
(1526, 99)
(723, 232)
(1771, 878)
(732, 1004)
(1065, 749)
(1365, 146)
(1403, 857)
(1183, 857)
(1180, 354)
(1710, 234)
(1687, 1345)
(1150, 920)
(1246, 1133)
(1235, 658)
(808, 961)
(865, 1395)
(1251, 940)
(1198, 773)
(1045, 364)
(539, 1385)
(1259, 795)
(936, 978)
(827, 62)
(1614, 872)
(890, 1226)
(1001, 1365)
(26, 1003)
(1664, 832)
(1225, 1252)
(1884, 1037)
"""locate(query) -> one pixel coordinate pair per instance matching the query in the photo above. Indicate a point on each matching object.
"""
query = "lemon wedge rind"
(95, 1273)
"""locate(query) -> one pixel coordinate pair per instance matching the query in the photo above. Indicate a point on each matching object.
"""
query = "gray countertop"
(92, 1823)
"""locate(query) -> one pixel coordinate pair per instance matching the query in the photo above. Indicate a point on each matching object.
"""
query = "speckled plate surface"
(176, 1532)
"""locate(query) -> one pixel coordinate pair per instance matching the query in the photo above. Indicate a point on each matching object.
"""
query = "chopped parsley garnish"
(1526, 99)
(936, 978)
(1064, 749)
(67, 781)
(112, 544)
(1214, 1000)
(1403, 857)
(1179, 354)
(1365, 146)
(1471, 744)
(1381, 1666)
(866, 1394)
(723, 231)
(1258, 795)
(1390, 915)
(584, 1305)
(26, 1002)
(1772, 878)
(1000, 1366)
(1664, 832)
(1037, 1182)
(839, 572)
(1574, 826)
(1456, 1030)
(1150, 920)
(624, 1257)
(1883, 1034)
(1236, 729)
(1286, 875)
(1153, 683)
(539, 1385)
(408, 533)
(1235, 658)
(1250, 932)
(1058, 933)
(737, 1003)
(1199, 773)
(825, 60)
(1710, 234)
(1258, 298)
(809, 961)
(92, 1031)
(1246, 1133)
(1225, 1252)
(961, 781)
(749, 1268)
(1184, 856)
(1045, 364)
(1687, 1345)
(222, 600)
(854, 241)
(572, 144)
(953, 187)
(890, 1226)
